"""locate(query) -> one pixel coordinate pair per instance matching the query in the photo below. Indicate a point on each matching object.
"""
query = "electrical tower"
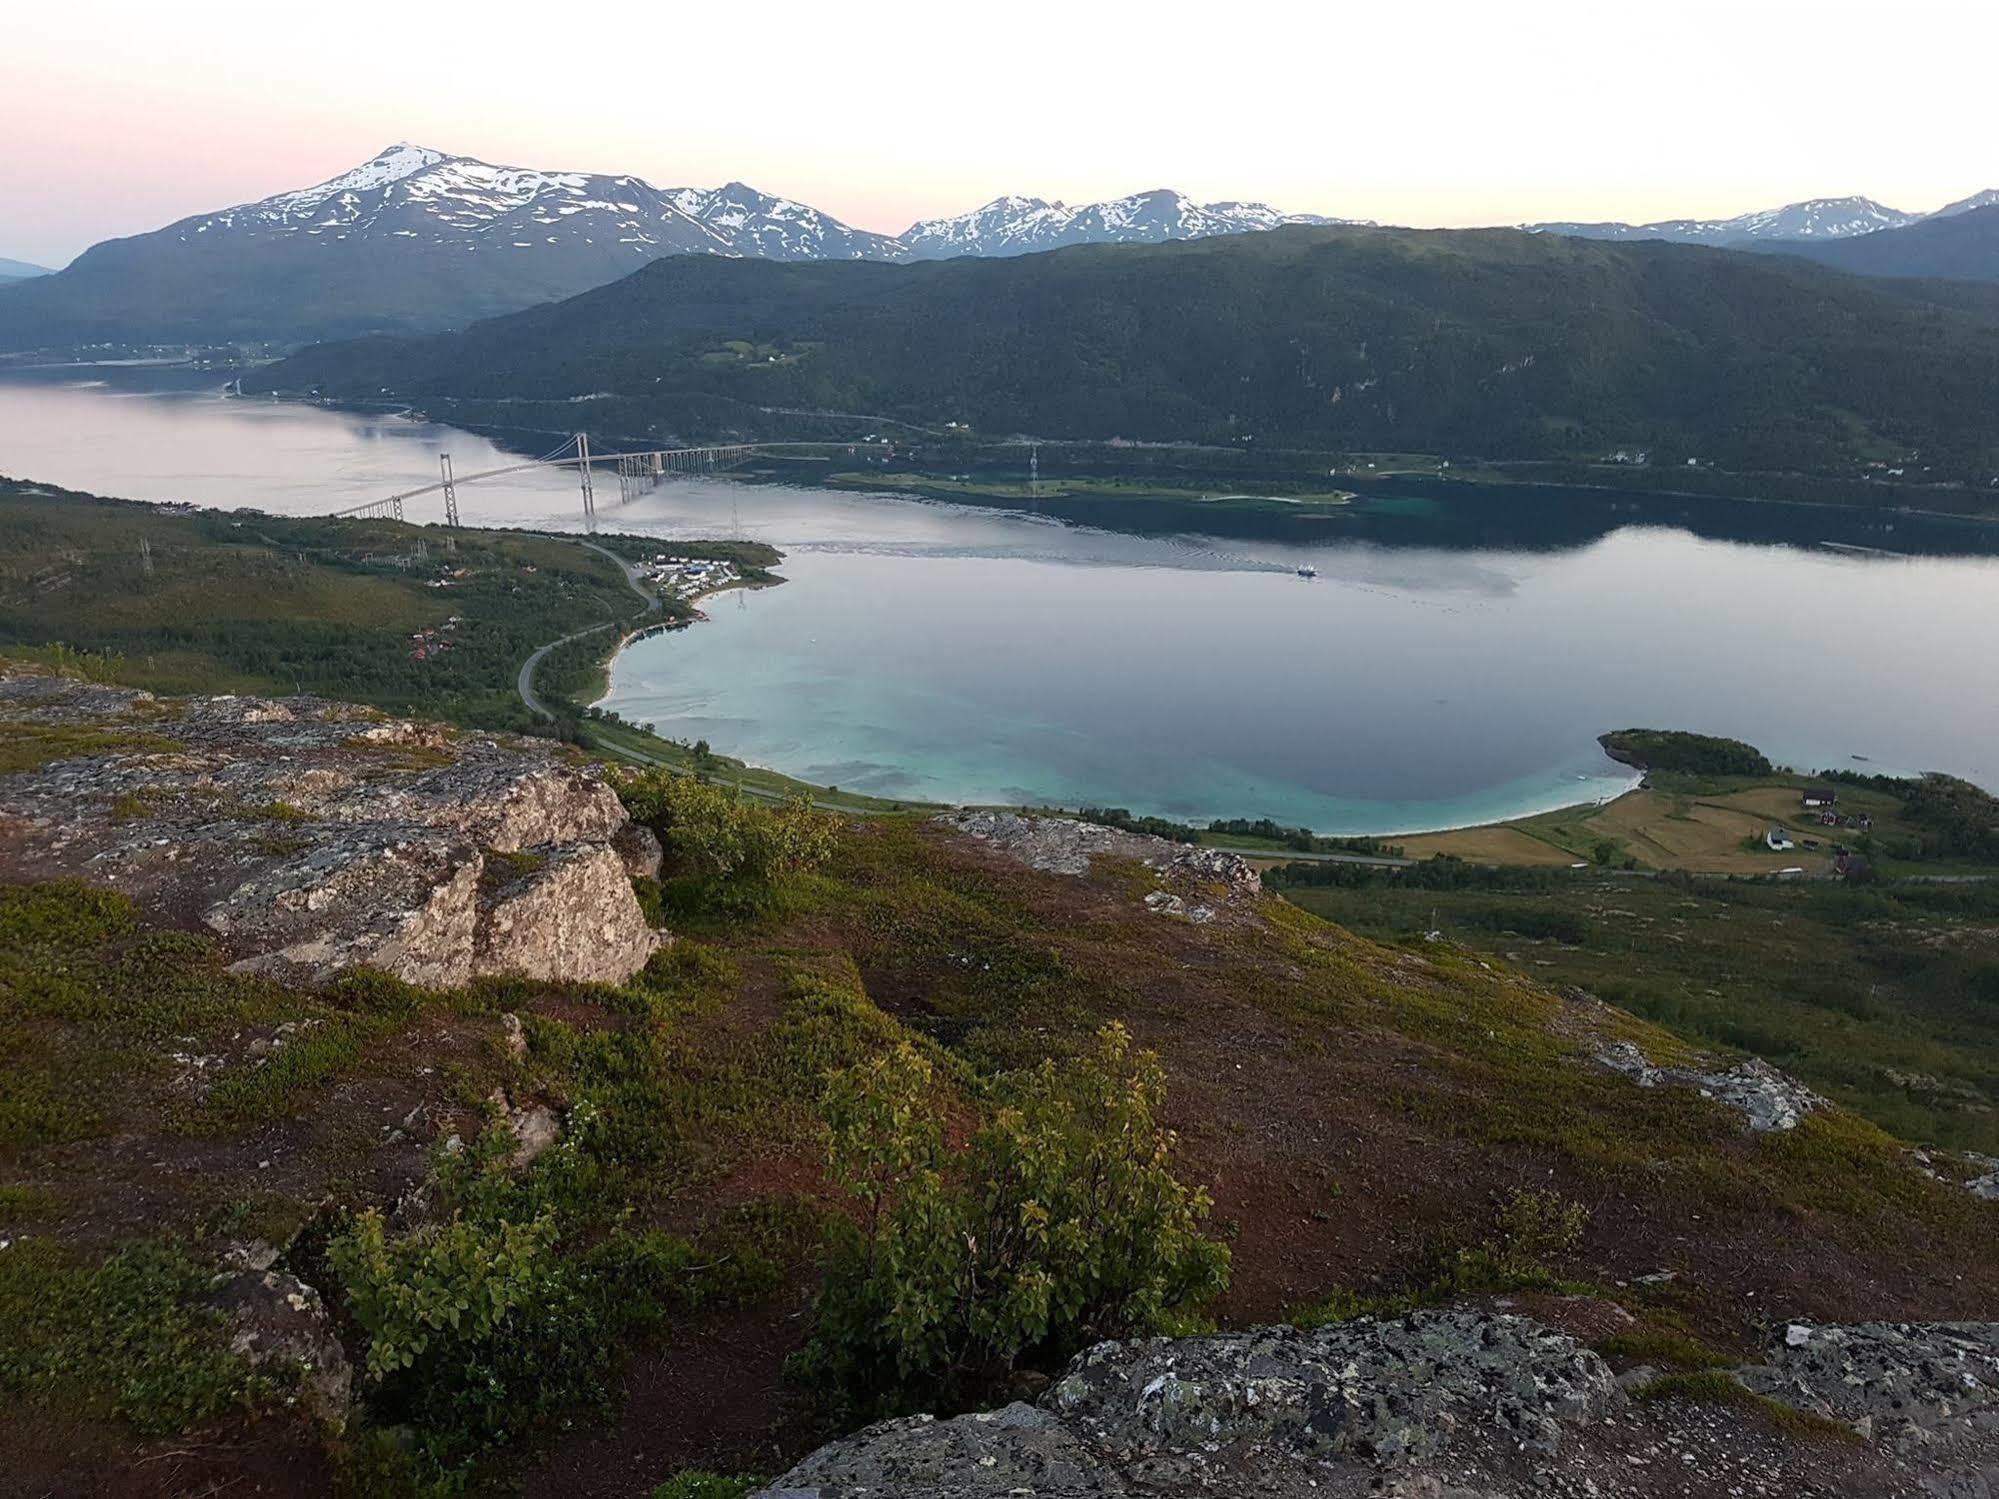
(589, 495)
(1034, 471)
(145, 556)
(450, 492)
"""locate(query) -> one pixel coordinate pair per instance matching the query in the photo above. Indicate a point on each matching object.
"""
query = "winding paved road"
(525, 682)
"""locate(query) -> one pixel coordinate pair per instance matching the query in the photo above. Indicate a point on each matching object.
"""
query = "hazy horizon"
(1442, 114)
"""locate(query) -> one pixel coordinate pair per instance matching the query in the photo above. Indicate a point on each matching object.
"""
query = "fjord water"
(1452, 662)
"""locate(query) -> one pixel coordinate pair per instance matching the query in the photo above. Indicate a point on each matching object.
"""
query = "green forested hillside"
(1959, 246)
(1494, 343)
(372, 611)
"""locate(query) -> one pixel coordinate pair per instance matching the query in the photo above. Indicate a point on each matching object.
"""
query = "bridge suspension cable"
(638, 473)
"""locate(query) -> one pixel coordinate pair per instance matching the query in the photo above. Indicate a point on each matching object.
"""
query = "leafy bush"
(1056, 1224)
(1535, 1229)
(714, 835)
(482, 1327)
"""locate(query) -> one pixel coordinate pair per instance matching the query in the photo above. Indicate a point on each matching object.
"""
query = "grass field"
(1701, 827)
(1885, 998)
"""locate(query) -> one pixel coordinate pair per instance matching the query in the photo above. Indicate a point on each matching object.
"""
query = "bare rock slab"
(1274, 1411)
(314, 836)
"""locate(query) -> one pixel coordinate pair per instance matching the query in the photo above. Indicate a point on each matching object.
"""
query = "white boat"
(1306, 570)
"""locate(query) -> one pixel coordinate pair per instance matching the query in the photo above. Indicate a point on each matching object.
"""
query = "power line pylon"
(589, 495)
(450, 492)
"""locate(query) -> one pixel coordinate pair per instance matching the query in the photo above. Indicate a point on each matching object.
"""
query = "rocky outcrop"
(1766, 1098)
(567, 919)
(1456, 1404)
(401, 899)
(278, 1323)
(1909, 1383)
(1381, 1389)
(1239, 1413)
(1206, 878)
(1977, 1174)
(315, 836)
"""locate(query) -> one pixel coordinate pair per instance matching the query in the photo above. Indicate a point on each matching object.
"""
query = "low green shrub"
(486, 1325)
(132, 1338)
(698, 1485)
(723, 849)
(1057, 1223)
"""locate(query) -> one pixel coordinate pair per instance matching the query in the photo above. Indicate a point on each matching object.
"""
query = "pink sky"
(121, 117)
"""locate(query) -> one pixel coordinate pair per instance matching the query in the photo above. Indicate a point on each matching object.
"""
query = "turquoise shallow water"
(987, 658)
(1453, 662)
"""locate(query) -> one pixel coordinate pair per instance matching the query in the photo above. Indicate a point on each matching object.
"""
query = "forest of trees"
(1687, 754)
(1493, 343)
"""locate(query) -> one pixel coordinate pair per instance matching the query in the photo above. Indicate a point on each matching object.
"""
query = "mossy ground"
(1362, 1113)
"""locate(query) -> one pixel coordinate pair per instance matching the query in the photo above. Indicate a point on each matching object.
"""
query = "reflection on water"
(1454, 660)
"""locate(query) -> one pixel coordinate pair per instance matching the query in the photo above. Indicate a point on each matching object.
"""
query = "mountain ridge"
(416, 239)
(1490, 342)
(1961, 246)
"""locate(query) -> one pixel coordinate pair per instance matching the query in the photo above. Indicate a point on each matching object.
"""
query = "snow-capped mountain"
(755, 223)
(1017, 226)
(412, 239)
(415, 192)
(1986, 199)
(1813, 219)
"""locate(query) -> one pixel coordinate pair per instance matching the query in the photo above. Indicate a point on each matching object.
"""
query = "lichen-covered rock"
(1017, 1449)
(315, 836)
(403, 901)
(639, 846)
(1986, 1184)
(1380, 1388)
(1766, 1098)
(1267, 1412)
(1066, 845)
(1907, 1382)
(278, 1323)
(506, 804)
(574, 918)
(1233, 870)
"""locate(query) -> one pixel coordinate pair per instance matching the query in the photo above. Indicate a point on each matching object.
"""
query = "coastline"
(1551, 801)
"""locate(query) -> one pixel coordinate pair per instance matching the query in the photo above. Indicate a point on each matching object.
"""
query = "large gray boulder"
(1275, 1410)
(1908, 1382)
(315, 836)
(1379, 1388)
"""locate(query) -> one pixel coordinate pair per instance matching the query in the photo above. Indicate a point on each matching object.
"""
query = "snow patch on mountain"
(1812, 219)
(412, 192)
(757, 223)
(1015, 225)
(1985, 199)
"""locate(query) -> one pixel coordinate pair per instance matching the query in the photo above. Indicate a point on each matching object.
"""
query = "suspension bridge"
(637, 474)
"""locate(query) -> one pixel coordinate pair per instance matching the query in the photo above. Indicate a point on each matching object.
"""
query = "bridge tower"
(450, 491)
(589, 495)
